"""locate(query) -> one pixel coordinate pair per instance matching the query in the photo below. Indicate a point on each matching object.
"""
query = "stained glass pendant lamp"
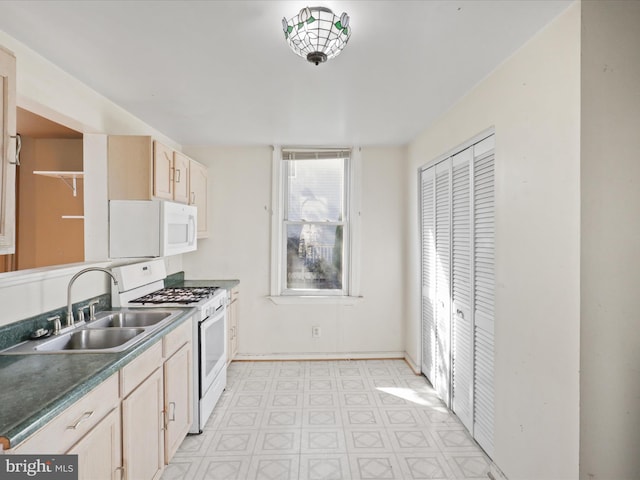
(316, 34)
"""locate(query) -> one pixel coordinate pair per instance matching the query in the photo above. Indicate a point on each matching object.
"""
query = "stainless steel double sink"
(111, 331)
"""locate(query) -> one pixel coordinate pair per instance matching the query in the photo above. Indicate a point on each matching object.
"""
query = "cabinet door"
(100, 451)
(142, 425)
(180, 177)
(232, 330)
(162, 171)
(178, 399)
(7, 151)
(130, 167)
(198, 185)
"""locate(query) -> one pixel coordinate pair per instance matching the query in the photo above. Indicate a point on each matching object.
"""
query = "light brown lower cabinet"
(177, 400)
(129, 426)
(142, 426)
(232, 324)
(100, 451)
(75, 423)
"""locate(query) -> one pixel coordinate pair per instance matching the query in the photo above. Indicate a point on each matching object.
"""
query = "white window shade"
(315, 153)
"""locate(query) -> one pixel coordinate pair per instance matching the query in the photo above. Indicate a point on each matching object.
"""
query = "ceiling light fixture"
(316, 34)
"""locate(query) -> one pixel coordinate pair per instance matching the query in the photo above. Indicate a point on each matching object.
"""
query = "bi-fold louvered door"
(457, 197)
(443, 278)
(461, 327)
(484, 291)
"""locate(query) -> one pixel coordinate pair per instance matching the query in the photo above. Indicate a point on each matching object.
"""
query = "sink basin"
(105, 339)
(112, 331)
(129, 319)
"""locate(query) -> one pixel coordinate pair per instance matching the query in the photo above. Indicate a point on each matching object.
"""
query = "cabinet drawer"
(133, 374)
(177, 338)
(71, 425)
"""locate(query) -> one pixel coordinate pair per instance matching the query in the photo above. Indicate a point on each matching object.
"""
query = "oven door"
(213, 352)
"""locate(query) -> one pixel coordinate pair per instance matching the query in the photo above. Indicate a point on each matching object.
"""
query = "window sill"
(313, 300)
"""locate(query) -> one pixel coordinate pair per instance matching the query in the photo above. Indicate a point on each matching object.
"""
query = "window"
(313, 232)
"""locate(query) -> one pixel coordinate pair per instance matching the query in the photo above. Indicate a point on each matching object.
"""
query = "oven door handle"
(213, 316)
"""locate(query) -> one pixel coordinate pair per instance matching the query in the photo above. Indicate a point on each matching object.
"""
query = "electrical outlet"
(315, 332)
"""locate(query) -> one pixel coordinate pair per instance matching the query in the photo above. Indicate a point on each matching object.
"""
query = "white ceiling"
(220, 72)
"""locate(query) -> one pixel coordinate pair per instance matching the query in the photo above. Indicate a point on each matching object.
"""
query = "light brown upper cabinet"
(162, 171)
(180, 179)
(141, 169)
(7, 151)
(198, 195)
(130, 167)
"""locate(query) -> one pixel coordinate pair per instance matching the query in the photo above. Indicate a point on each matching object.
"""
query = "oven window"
(213, 340)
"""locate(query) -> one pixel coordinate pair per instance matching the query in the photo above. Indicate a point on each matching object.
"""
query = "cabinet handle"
(172, 409)
(460, 313)
(121, 470)
(178, 175)
(18, 148)
(85, 416)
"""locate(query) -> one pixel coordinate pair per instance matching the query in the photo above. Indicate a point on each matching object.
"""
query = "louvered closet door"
(443, 280)
(428, 273)
(461, 284)
(484, 288)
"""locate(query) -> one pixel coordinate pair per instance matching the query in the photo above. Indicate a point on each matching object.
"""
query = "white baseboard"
(416, 369)
(495, 473)
(319, 356)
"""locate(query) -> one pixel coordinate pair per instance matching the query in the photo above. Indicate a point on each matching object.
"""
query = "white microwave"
(151, 228)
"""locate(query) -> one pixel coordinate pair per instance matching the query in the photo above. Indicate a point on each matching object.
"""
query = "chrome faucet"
(70, 320)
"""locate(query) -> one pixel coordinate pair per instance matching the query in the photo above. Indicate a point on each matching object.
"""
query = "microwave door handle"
(192, 229)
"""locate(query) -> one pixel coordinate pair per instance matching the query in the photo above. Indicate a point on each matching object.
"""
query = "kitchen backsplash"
(19, 331)
(175, 279)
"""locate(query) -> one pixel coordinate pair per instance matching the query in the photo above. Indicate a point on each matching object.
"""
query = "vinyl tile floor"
(329, 420)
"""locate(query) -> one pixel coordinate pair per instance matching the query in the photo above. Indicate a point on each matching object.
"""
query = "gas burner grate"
(182, 295)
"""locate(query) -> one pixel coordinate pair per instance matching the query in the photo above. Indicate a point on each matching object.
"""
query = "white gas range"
(143, 286)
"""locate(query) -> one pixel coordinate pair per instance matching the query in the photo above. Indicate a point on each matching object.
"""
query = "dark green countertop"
(35, 388)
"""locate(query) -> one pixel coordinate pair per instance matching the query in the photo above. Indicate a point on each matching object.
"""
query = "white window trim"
(277, 209)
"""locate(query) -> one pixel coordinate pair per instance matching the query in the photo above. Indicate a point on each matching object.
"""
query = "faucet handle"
(92, 309)
(81, 314)
(57, 326)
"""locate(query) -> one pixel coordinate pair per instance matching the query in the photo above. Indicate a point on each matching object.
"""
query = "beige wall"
(239, 247)
(610, 261)
(533, 101)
